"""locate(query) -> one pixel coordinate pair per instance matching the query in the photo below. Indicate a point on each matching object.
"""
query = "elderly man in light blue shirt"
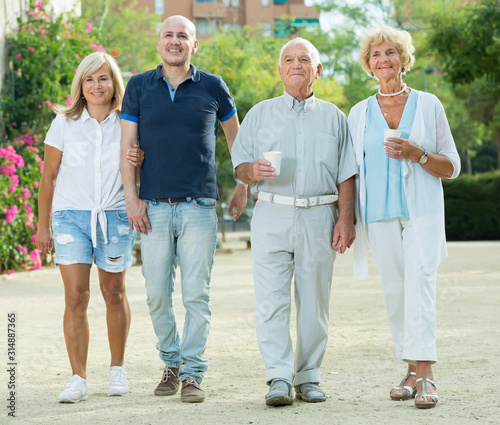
(294, 230)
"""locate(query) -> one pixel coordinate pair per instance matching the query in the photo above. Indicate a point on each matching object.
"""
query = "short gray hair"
(310, 47)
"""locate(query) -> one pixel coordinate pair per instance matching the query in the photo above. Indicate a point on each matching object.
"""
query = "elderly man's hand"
(262, 170)
(343, 235)
(251, 172)
(238, 201)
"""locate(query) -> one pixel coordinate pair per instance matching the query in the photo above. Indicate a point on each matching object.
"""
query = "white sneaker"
(75, 391)
(118, 384)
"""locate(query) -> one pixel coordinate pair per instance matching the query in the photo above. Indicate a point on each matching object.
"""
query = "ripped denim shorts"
(73, 241)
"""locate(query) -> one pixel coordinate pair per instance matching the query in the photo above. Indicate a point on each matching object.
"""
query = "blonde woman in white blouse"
(81, 183)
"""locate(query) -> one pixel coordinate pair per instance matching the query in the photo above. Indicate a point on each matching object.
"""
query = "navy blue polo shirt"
(178, 136)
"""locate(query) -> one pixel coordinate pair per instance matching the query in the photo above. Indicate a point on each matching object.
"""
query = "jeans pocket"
(205, 202)
(122, 215)
(59, 214)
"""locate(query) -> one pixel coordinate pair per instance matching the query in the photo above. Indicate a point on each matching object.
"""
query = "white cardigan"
(424, 192)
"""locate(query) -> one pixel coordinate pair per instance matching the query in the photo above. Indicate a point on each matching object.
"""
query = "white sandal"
(434, 397)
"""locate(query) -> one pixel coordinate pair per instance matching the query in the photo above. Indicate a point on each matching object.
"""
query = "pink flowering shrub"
(43, 53)
(20, 171)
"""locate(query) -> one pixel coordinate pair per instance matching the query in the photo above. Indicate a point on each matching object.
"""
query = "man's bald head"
(190, 27)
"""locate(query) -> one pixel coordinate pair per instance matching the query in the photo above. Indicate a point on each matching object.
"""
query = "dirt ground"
(358, 369)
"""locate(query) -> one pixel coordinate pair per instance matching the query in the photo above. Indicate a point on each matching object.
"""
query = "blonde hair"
(87, 67)
(401, 40)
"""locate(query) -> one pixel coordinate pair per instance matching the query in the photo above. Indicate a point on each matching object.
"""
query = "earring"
(403, 70)
(372, 74)
(83, 97)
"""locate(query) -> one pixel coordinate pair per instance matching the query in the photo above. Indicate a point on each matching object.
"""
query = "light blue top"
(385, 197)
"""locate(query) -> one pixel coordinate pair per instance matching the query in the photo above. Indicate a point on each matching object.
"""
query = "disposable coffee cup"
(274, 157)
(389, 132)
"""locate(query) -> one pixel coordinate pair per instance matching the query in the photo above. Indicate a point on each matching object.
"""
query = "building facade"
(278, 18)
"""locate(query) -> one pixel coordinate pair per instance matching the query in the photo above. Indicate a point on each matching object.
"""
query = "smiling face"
(177, 41)
(385, 61)
(98, 88)
(297, 69)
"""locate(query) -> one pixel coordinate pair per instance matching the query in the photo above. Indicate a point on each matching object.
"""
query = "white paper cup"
(274, 157)
(389, 132)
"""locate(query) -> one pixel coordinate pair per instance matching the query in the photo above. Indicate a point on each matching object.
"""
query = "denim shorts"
(73, 241)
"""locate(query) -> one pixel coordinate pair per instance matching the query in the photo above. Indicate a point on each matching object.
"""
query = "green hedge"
(472, 207)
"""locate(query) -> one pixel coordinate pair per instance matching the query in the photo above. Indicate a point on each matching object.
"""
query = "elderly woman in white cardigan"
(400, 205)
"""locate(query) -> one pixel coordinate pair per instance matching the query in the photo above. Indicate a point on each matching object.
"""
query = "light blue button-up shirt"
(316, 149)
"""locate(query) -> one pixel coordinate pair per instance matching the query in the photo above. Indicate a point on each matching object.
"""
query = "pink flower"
(77, 56)
(26, 192)
(14, 124)
(35, 258)
(31, 13)
(35, 183)
(31, 49)
(39, 106)
(100, 48)
(33, 238)
(69, 102)
(22, 249)
(115, 53)
(10, 213)
(18, 56)
(89, 28)
(39, 4)
(49, 104)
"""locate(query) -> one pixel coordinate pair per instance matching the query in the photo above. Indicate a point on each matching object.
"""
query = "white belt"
(297, 201)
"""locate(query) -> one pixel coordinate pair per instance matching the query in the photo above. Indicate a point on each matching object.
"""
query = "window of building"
(266, 29)
(265, 3)
(231, 3)
(159, 7)
(206, 25)
(229, 27)
(206, 1)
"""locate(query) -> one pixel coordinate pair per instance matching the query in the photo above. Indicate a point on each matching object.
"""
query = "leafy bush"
(20, 170)
(472, 207)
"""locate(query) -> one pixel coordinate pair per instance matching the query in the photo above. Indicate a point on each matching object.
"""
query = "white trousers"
(410, 294)
(286, 241)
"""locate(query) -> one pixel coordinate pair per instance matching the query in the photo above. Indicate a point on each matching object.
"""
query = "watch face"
(423, 159)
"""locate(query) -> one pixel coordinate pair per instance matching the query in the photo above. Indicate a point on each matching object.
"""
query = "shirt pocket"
(326, 150)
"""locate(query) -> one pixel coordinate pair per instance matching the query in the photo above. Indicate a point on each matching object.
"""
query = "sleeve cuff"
(233, 111)
(129, 118)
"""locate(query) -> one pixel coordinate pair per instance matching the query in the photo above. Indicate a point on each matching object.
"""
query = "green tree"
(467, 45)
(127, 29)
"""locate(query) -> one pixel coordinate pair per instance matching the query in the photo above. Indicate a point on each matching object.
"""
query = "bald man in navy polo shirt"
(173, 112)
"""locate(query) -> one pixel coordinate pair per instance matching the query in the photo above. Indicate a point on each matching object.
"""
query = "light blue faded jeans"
(184, 234)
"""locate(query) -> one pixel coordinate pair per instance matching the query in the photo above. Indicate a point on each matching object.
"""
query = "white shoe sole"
(82, 398)
(117, 392)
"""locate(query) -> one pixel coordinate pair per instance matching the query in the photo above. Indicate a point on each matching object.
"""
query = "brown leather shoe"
(191, 391)
(169, 383)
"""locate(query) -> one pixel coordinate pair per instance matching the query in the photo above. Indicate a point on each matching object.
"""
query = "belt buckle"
(301, 202)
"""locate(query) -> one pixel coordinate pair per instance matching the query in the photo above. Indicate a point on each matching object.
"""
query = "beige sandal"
(407, 391)
(434, 397)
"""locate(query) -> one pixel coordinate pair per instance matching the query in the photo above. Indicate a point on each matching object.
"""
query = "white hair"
(310, 47)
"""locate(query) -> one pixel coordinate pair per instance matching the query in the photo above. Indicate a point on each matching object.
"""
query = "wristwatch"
(424, 158)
